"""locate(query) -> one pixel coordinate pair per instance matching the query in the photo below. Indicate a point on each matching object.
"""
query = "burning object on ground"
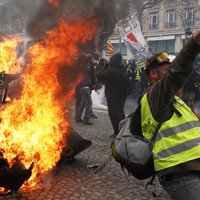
(75, 144)
(34, 126)
(12, 178)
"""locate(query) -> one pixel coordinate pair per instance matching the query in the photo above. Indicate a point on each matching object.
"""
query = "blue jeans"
(184, 186)
(86, 103)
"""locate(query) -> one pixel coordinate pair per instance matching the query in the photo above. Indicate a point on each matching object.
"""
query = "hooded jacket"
(115, 79)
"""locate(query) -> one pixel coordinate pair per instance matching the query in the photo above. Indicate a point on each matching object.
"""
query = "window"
(162, 45)
(170, 19)
(154, 20)
(189, 16)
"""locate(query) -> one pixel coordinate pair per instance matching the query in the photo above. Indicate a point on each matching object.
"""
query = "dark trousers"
(116, 111)
(182, 185)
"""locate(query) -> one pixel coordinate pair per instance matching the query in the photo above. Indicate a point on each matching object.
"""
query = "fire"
(34, 126)
(8, 55)
(54, 2)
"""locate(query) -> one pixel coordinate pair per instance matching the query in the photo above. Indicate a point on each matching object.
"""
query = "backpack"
(134, 152)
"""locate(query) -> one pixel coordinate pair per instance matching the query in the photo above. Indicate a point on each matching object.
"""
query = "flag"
(131, 34)
(109, 48)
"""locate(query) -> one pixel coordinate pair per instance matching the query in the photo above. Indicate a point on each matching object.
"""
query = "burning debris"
(74, 145)
(34, 126)
(12, 178)
(8, 55)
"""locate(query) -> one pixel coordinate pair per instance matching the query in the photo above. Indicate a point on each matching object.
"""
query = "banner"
(131, 34)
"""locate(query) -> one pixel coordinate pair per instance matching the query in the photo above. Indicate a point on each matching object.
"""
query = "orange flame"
(34, 126)
(8, 55)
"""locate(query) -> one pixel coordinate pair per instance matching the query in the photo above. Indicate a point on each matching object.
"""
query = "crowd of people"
(138, 79)
(166, 91)
(122, 82)
(113, 75)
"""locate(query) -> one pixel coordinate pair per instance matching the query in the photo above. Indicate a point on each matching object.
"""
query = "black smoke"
(47, 17)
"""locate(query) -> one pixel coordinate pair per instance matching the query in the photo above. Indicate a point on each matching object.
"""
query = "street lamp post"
(188, 33)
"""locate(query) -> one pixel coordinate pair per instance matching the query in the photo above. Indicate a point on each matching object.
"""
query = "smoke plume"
(48, 16)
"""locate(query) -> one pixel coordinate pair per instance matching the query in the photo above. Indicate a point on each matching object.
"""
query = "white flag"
(131, 34)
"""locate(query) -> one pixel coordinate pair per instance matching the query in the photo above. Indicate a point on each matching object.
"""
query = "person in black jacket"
(116, 89)
(84, 87)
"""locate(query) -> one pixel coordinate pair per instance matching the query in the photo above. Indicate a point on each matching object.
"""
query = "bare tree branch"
(182, 6)
(151, 4)
(140, 5)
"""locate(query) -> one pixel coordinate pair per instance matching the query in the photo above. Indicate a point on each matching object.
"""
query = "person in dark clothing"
(144, 82)
(84, 90)
(91, 74)
(102, 63)
(130, 73)
(116, 89)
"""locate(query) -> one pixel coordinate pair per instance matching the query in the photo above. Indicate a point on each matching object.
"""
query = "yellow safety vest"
(178, 139)
(129, 72)
(137, 76)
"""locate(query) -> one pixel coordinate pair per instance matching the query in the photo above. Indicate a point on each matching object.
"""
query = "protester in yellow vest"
(137, 75)
(176, 151)
(131, 76)
(137, 83)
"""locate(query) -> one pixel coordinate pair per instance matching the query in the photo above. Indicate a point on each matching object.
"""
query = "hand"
(196, 35)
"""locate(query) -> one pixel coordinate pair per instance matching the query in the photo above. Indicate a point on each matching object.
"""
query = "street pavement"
(78, 181)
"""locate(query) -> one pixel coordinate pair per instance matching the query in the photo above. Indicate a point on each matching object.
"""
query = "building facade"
(169, 24)
(166, 26)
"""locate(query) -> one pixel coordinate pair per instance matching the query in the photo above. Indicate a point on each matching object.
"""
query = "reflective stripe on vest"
(137, 77)
(178, 139)
(129, 72)
(173, 130)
